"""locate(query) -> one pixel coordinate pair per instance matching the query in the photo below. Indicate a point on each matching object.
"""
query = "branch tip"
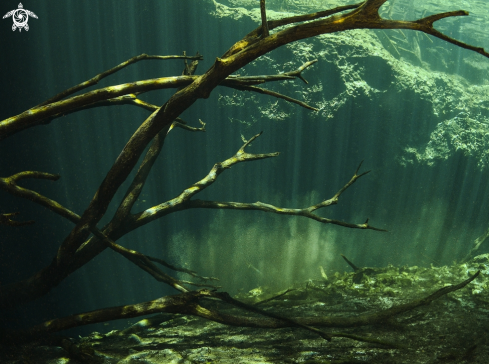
(358, 168)
(363, 174)
(6, 219)
(250, 140)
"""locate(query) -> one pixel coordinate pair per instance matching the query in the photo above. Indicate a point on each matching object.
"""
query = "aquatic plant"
(78, 248)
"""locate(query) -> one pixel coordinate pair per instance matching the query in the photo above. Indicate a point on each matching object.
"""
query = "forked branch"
(7, 219)
(144, 262)
(304, 212)
(94, 80)
(127, 94)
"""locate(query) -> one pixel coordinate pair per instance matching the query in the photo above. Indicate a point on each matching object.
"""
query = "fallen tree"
(86, 240)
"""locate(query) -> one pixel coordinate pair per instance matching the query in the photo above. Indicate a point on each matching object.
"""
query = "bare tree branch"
(275, 94)
(179, 204)
(124, 94)
(9, 184)
(188, 303)
(6, 219)
(477, 243)
(75, 245)
(123, 221)
(144, 262)
(253, 36)
(97, 78)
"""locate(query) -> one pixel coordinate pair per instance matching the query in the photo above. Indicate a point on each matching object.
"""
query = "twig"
(264, 25)
(298, 72)
(275, 94)
(477, 244)
(392, 44)
(179, 269)
(355, 268)
(179, 124)
(275, 297)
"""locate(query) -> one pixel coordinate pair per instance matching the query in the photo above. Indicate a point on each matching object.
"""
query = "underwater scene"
(244, 181)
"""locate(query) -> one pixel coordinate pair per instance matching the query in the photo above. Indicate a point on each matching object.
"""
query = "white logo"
(20, 17)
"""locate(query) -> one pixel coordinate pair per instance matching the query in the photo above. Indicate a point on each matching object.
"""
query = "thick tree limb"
(254, 35)
(188, 303)
(128, 99)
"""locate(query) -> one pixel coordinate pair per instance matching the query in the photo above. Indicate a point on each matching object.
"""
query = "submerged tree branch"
(188, 304)
(125, 94)
(144, 262)
(6, 219)
(254, 35)
(124, 222)
(362, 16)
(260, 206)
(141, 260)
(94, 80)
(477, 243)
(275, 94)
